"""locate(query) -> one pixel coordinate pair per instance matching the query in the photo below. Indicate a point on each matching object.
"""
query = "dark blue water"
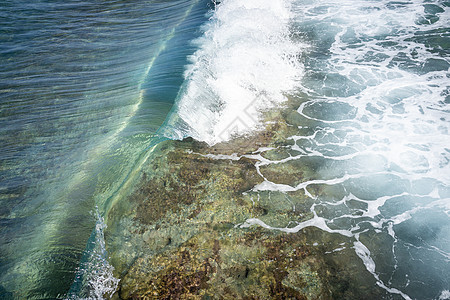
(84, 85)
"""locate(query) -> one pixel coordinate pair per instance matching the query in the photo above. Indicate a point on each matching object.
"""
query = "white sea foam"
(378, 120)
(95, 279)
(445, 295)
(394, 112)
(364, 253)
(378, 128)
(245, 63)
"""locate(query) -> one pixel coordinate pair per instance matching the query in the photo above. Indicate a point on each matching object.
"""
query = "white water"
(376, 117)
(245, 63)
(380, 127)
(95, 279)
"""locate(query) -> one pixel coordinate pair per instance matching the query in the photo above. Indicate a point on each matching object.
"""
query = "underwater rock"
(292, 172)
(250, 264)
(178, 235)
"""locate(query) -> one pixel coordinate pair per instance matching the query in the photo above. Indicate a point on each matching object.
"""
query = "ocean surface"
(88, 87)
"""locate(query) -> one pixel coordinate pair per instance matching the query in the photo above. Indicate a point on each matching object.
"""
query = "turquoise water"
(372, 80)
(378, 81)
(85, 86)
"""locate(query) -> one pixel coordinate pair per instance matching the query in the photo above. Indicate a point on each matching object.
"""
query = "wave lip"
(244, 64)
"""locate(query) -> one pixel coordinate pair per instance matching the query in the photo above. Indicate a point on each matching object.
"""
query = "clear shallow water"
(83, 87)
(371, 79)
(373, 122)
(378, 75)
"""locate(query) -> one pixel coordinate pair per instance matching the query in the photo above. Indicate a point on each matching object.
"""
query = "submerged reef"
(178, 234)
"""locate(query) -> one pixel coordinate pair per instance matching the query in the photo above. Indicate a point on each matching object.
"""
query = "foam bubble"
(95, 278)
(445, 295)
(376, 123)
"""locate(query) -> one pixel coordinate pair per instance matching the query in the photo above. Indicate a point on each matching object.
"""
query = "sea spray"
(374, 127)
(346, 198)
(95, 278)
(245, 63)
